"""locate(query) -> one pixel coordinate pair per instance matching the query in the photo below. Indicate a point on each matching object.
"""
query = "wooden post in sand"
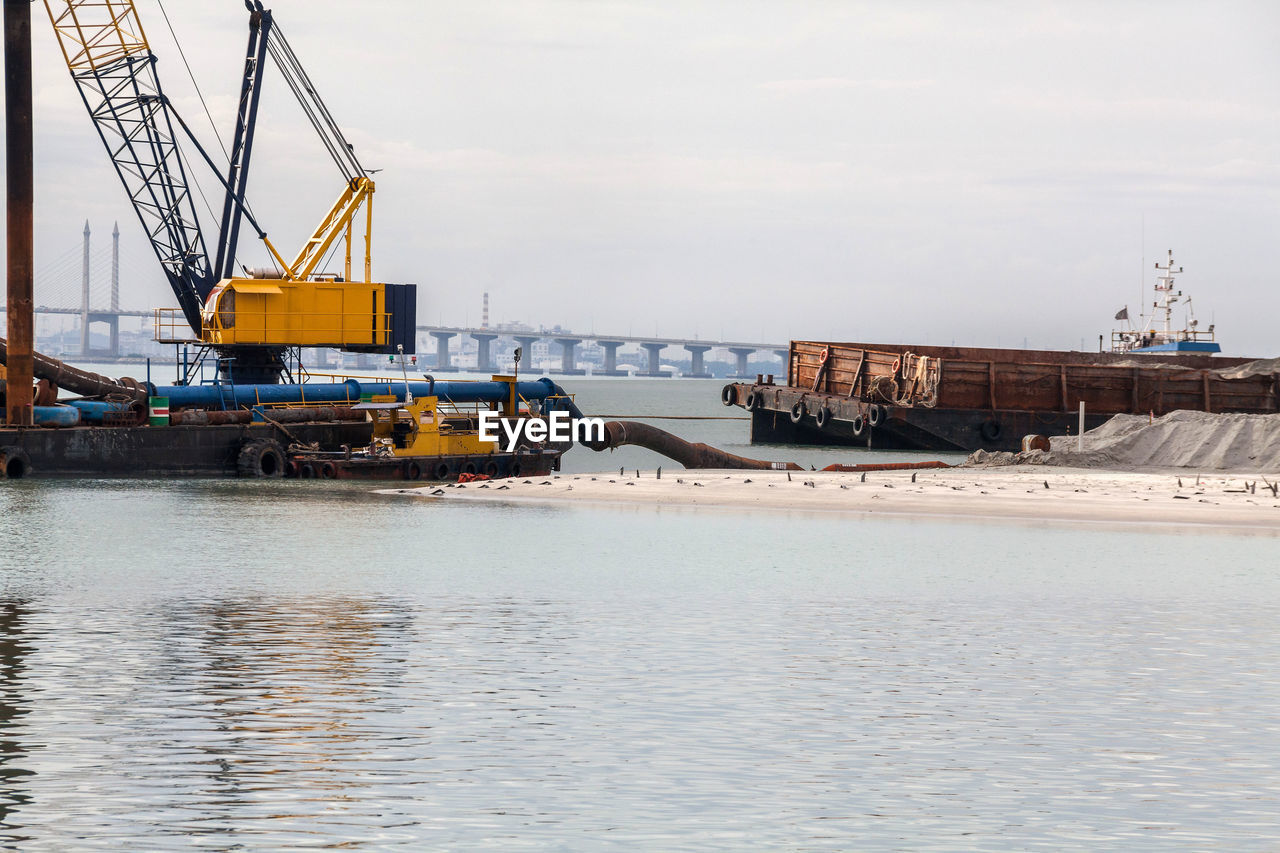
(1080, 435)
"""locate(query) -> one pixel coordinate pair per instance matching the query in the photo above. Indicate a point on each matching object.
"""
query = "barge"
(348, 427)
(967, 398)
(892, 396)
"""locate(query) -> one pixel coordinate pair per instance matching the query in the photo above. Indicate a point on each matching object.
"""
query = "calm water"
(233, 665)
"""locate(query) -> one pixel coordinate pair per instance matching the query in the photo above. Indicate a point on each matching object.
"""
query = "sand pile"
(1196, 440)
(1261, 367)
(1258, 367)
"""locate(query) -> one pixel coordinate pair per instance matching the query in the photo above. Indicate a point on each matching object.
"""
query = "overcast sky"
(921, 172)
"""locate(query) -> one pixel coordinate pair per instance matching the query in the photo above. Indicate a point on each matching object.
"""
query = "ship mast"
(1164, 285)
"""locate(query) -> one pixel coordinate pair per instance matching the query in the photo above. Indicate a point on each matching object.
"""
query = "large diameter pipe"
(78, 381)
(247, 396)
(20, 305)
(97, 412)
(688, 454)
(55, 416)
(309, 414)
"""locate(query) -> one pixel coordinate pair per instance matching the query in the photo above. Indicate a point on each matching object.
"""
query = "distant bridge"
(59, 279)
(569, 341)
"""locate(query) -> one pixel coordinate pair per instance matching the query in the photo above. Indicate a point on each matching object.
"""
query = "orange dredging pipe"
(688, 454)
(691, 455)
(887, 466)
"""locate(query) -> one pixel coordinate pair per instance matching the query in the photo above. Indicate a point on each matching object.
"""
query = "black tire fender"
(729, 395)
(14, 463)
(823, 417)
(876, 415)
(442, 471)
(797, 412)
(261, 458)
(859, 426)
(991, 430)
(753, 401)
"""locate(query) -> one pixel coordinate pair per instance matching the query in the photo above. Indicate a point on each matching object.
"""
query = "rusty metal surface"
(159, 451)
(1029, 380)
(887, 466)
(309, 414)
(437, 469)
(20, 246)
(688, 454)
(79, 381)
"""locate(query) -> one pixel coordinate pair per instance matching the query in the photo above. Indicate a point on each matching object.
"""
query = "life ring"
(442, 471)
(14, 463)
(798, 412)
(753, 401)
(329, 471)
(859, 426)
(729, 395)
(823, 417)
(991, 430)
(897, 365)
(825, 354)
(875, 415)
(307, 471)
(412, 471)
(491, 468)
(469, 468)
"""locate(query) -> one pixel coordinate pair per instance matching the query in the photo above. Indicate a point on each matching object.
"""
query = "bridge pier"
(742, 353)
(484, 361)
(568, 363)
(443, 364)
(113, 327)
(655, 362)
(610, 359)
(526, 342)
(698, 370)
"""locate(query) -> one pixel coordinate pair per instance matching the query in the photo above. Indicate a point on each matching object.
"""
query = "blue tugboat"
(1165, 340)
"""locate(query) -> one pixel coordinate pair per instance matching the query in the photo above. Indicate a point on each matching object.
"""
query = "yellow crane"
(251, 318)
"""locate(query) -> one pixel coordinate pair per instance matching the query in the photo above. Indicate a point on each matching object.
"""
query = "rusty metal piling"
(20, 305)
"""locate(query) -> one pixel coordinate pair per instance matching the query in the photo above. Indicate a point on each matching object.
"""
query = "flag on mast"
(1123, 313)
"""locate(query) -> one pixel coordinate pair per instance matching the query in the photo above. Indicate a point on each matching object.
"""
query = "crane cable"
(317, 113)
(205, 106)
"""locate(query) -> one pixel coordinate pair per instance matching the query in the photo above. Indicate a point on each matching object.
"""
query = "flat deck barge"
(893, 396)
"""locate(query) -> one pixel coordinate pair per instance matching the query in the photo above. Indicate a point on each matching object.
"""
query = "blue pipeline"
(247, 396)
(94, 412)
(55, 416)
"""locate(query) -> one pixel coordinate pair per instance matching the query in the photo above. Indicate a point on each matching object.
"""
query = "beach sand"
(1018, 493)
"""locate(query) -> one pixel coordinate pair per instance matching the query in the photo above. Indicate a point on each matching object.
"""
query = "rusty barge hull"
(965, 398)
(437, 469)
(168, 451)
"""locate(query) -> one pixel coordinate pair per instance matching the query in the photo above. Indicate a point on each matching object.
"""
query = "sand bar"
(1016, 493)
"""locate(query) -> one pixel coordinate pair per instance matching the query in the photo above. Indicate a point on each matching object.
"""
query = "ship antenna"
(1142, 273)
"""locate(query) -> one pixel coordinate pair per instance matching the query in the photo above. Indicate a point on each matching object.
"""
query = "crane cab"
(349, 315)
